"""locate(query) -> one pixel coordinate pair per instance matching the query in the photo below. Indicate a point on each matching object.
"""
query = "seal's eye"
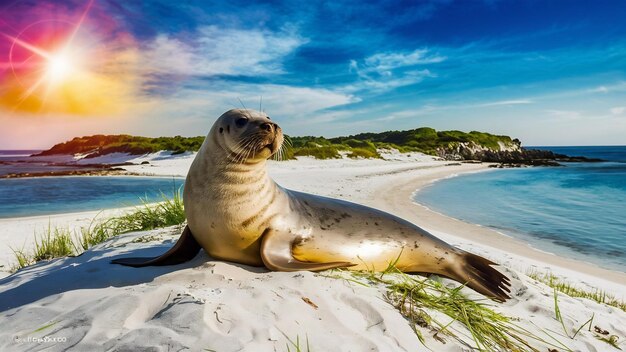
(240, 122)
(268, 117)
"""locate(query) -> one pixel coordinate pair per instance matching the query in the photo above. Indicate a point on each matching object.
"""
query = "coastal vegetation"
(365, 145)
(448, 145)
(98, 145)
(567, 288)
(425, 140)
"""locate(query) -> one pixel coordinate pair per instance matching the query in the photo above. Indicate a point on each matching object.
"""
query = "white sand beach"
(85, 303)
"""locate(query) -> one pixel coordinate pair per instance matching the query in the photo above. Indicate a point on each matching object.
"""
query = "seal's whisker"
(243, 151)
(280, 153)
(248, 150)
(242, 148)
(276, 156)
(287, 141)
(238, 149)
(252, 146)
(247, 113)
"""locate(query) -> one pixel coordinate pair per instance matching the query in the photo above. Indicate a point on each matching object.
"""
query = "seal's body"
(236, 212)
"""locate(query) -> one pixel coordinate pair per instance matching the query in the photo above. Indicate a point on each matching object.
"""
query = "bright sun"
(60, 66)
(64, 66)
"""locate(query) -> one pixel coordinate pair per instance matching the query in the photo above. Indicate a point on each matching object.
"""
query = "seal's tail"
(476, 272)
(184, 250)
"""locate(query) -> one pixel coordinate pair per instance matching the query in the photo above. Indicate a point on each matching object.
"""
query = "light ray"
(27, 46)
(29, 92)
(56, 64)
(79, 24)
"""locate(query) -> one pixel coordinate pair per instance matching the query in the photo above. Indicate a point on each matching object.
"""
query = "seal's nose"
(268, 126)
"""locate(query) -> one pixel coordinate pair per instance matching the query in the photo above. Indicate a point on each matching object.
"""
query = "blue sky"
(547, 72)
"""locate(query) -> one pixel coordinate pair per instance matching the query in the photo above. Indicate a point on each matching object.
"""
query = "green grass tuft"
(567, 288)
(168, 212)
(54, 243)
(59, 242)
(296, 344)
(557, 312)
(490, 330)
(424, 301)
(95, 233)
(23, 259)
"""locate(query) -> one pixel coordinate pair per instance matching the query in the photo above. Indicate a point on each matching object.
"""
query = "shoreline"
(455, 230)
(114, 171)
(369, 182)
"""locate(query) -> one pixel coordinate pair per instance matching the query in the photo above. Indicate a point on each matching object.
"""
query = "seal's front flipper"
(184, 250)
(276, 254)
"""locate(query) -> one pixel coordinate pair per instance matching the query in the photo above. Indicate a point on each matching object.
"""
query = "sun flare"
(68, 65)
(60, 67)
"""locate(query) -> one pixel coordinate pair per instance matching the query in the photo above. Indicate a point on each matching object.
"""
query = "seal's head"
(248, 135)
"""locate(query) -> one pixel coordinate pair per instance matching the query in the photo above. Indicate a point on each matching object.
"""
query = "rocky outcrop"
(510, 155)
(474, 151)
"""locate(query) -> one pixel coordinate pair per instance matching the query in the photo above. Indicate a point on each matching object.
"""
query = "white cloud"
(330, 116)
(600, 89)
(384, 62)
(165, 55)
(405, 114)
(294, 102)
(619, 86)
(564, 114)
(220, 51)
(385, 71)
(389, 82)
(618, 110)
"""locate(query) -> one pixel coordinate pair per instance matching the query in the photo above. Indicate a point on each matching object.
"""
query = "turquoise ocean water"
(578, 211)
(55, 195)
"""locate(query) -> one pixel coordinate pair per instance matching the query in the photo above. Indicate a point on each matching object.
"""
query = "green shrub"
(363, 144)
(102, 144)
(324, 152)
(363, 153)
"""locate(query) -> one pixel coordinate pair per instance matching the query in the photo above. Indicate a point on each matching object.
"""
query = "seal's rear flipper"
(276, 255)
(476, 272)
(184, 250)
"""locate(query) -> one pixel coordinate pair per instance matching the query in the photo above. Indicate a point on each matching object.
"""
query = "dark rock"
(512, 157)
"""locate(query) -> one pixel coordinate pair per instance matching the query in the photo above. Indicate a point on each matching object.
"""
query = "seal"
(236, 212)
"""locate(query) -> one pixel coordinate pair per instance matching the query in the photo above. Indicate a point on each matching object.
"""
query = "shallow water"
(17, 161)
(55, 195)
(578, 211)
